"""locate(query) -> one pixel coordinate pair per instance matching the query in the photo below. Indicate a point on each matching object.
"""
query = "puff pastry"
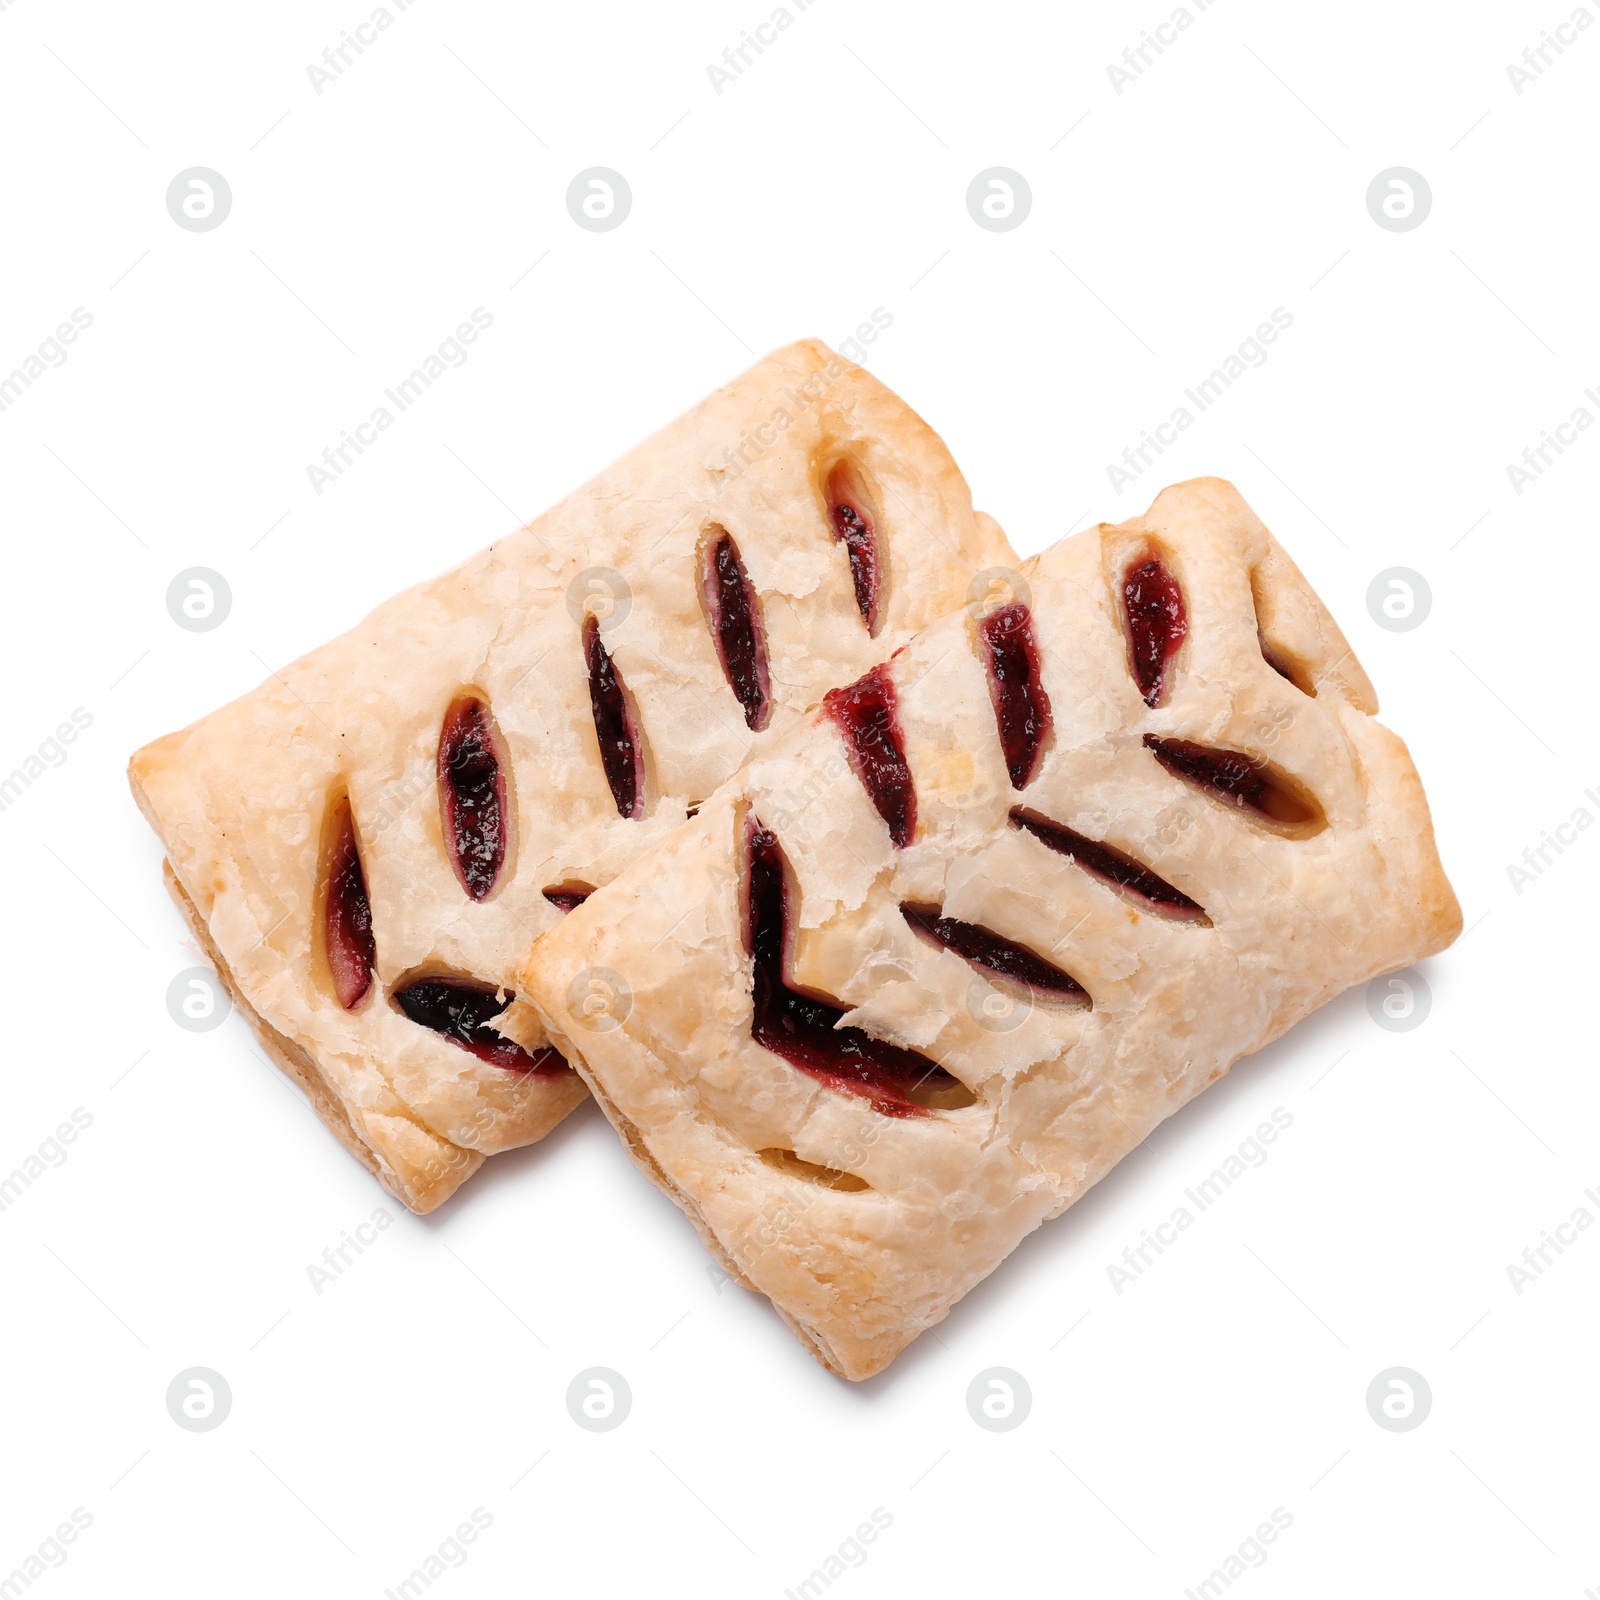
(367, 843)
(928, 968)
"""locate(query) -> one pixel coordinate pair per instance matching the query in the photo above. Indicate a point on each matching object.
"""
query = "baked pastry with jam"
(367, 843)
(931, 965)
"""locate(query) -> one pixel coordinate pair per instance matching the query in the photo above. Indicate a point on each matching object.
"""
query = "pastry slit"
(733, 610)
(994, 954)
(856, 527)
(1156, 622)
(1242, 781)
(806, 1031)
(472, 796)
(867, 714)
(1021, 707)
(616, 725)
(1131, 878)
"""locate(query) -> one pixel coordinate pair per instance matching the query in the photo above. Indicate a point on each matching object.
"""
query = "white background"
(827, 180)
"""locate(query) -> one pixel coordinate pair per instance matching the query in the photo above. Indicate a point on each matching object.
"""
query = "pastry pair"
(885, 890)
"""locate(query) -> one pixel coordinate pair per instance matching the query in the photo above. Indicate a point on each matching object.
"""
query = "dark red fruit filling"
(853, 526)
(567, 896)
(347, 915)
(984, 948)
(735, 614)
(461, 1012)
(472, 796)
(1152, 604)
(1233, 777)
(868, 715)
(615, 725)
(805, 1031)
(1111, 866)
(1021, 707)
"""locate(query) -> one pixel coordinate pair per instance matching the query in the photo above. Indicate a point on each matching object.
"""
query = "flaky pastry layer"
(865, 1227)
(242, 798)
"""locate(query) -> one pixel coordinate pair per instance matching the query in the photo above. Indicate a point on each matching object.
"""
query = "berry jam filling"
(853, 526)
(805, 1031)
(1232, 777)
(461, 1012)
(1138, 883)
(347, 915)
(615, 725)
(472, 796)
(567, 896)
(735, 614)
(867, 713)
(982, 948)
(1152, 607)
(1021, 707)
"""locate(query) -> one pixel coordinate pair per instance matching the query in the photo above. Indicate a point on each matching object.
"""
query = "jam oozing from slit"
(472, 796)
(982, 947)
(868, 714)
(1153, 609)
(567, 896)
(347, 915)
(461, 1012)
(1233, 777)
(1135, 880)
(804, 1030)
(854, 528)
(734, 610)
(1021, 707)
(615, 725)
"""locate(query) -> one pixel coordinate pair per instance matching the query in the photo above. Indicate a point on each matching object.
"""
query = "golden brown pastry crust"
(1062, 1092)
(241, 798)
